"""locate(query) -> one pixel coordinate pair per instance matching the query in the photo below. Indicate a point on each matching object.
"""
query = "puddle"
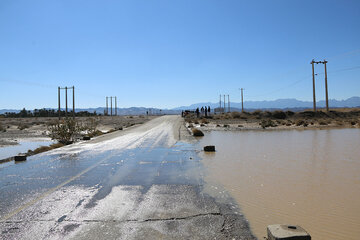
(310, 178)
(22, 147)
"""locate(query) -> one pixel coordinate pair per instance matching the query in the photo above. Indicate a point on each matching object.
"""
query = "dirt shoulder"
(13, 130)
(276, 120)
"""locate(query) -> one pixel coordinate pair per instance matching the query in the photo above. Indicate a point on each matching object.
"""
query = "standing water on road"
(310, 178)
(23, 147)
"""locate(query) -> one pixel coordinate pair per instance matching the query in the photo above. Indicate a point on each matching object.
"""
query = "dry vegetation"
(278, 119)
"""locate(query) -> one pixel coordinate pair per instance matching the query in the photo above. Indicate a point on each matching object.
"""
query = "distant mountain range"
(291, 103)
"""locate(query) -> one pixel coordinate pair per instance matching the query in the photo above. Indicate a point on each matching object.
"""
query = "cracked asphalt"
(143, 183)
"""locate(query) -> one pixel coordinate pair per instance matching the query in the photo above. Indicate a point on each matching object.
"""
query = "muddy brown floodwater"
(310, 178)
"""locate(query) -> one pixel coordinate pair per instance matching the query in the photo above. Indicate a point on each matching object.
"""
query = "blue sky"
(171, 53)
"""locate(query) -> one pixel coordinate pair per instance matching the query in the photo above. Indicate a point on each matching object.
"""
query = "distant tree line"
(46, 113)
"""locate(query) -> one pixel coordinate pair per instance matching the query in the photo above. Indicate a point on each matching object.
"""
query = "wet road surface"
(146, 182)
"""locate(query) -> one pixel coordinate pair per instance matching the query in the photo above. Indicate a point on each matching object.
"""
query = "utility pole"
(242, 100)
(228, 103)
(73, 102)
(66, 102)
(220, 103)
(224, 103)
(326, 88)
(111, 106)
(115, 107)
(107, 107)
(59, 111)
(313, 74)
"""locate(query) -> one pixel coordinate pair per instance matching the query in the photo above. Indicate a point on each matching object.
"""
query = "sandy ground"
(13, 130)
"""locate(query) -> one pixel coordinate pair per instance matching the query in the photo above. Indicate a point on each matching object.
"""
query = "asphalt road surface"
(142, 183)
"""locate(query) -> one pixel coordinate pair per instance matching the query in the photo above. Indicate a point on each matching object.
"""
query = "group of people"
(203, 110)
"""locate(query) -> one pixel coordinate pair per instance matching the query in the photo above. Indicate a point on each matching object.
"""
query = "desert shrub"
(23, 126)
(289, 113)
(65, 131)
(305, 124)
(111, 130)
(2, 129)
(309, 114)
(95, 133)
(196, 122)
(202, 125)
(217, 125)
(257, 112)
(130, 117)
(323, 123)
(204, 121)
(299, 122)
(141, 116)
(89, 127)
(288, 124)
(44, 149)
(268, 114)
(190, 125)
(235, 115)
(226, 125)
(279, 115)
(240, 126)
(267, 123)
(197, 133)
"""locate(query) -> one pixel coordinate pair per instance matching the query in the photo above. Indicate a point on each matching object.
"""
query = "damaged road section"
(153, 191)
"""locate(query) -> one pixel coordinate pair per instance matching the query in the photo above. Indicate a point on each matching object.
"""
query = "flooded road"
(144, 182)
(310, 178)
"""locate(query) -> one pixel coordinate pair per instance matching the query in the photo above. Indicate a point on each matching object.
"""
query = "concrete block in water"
(287, 232)
(210, 148)
(20, 157)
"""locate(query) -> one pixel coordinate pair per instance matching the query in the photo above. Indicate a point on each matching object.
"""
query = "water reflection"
(22, 147)
(310, 178)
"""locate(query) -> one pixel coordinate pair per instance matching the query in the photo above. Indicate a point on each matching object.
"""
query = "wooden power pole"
(59, 110)
(313, 75)
(224, 103)
(242, 100)
(228, 103)
(73, 102)
(115, 107)
(326, 88)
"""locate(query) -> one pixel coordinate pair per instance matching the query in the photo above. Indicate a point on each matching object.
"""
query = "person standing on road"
(209, 110)
(197, 112)
(206, 111)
